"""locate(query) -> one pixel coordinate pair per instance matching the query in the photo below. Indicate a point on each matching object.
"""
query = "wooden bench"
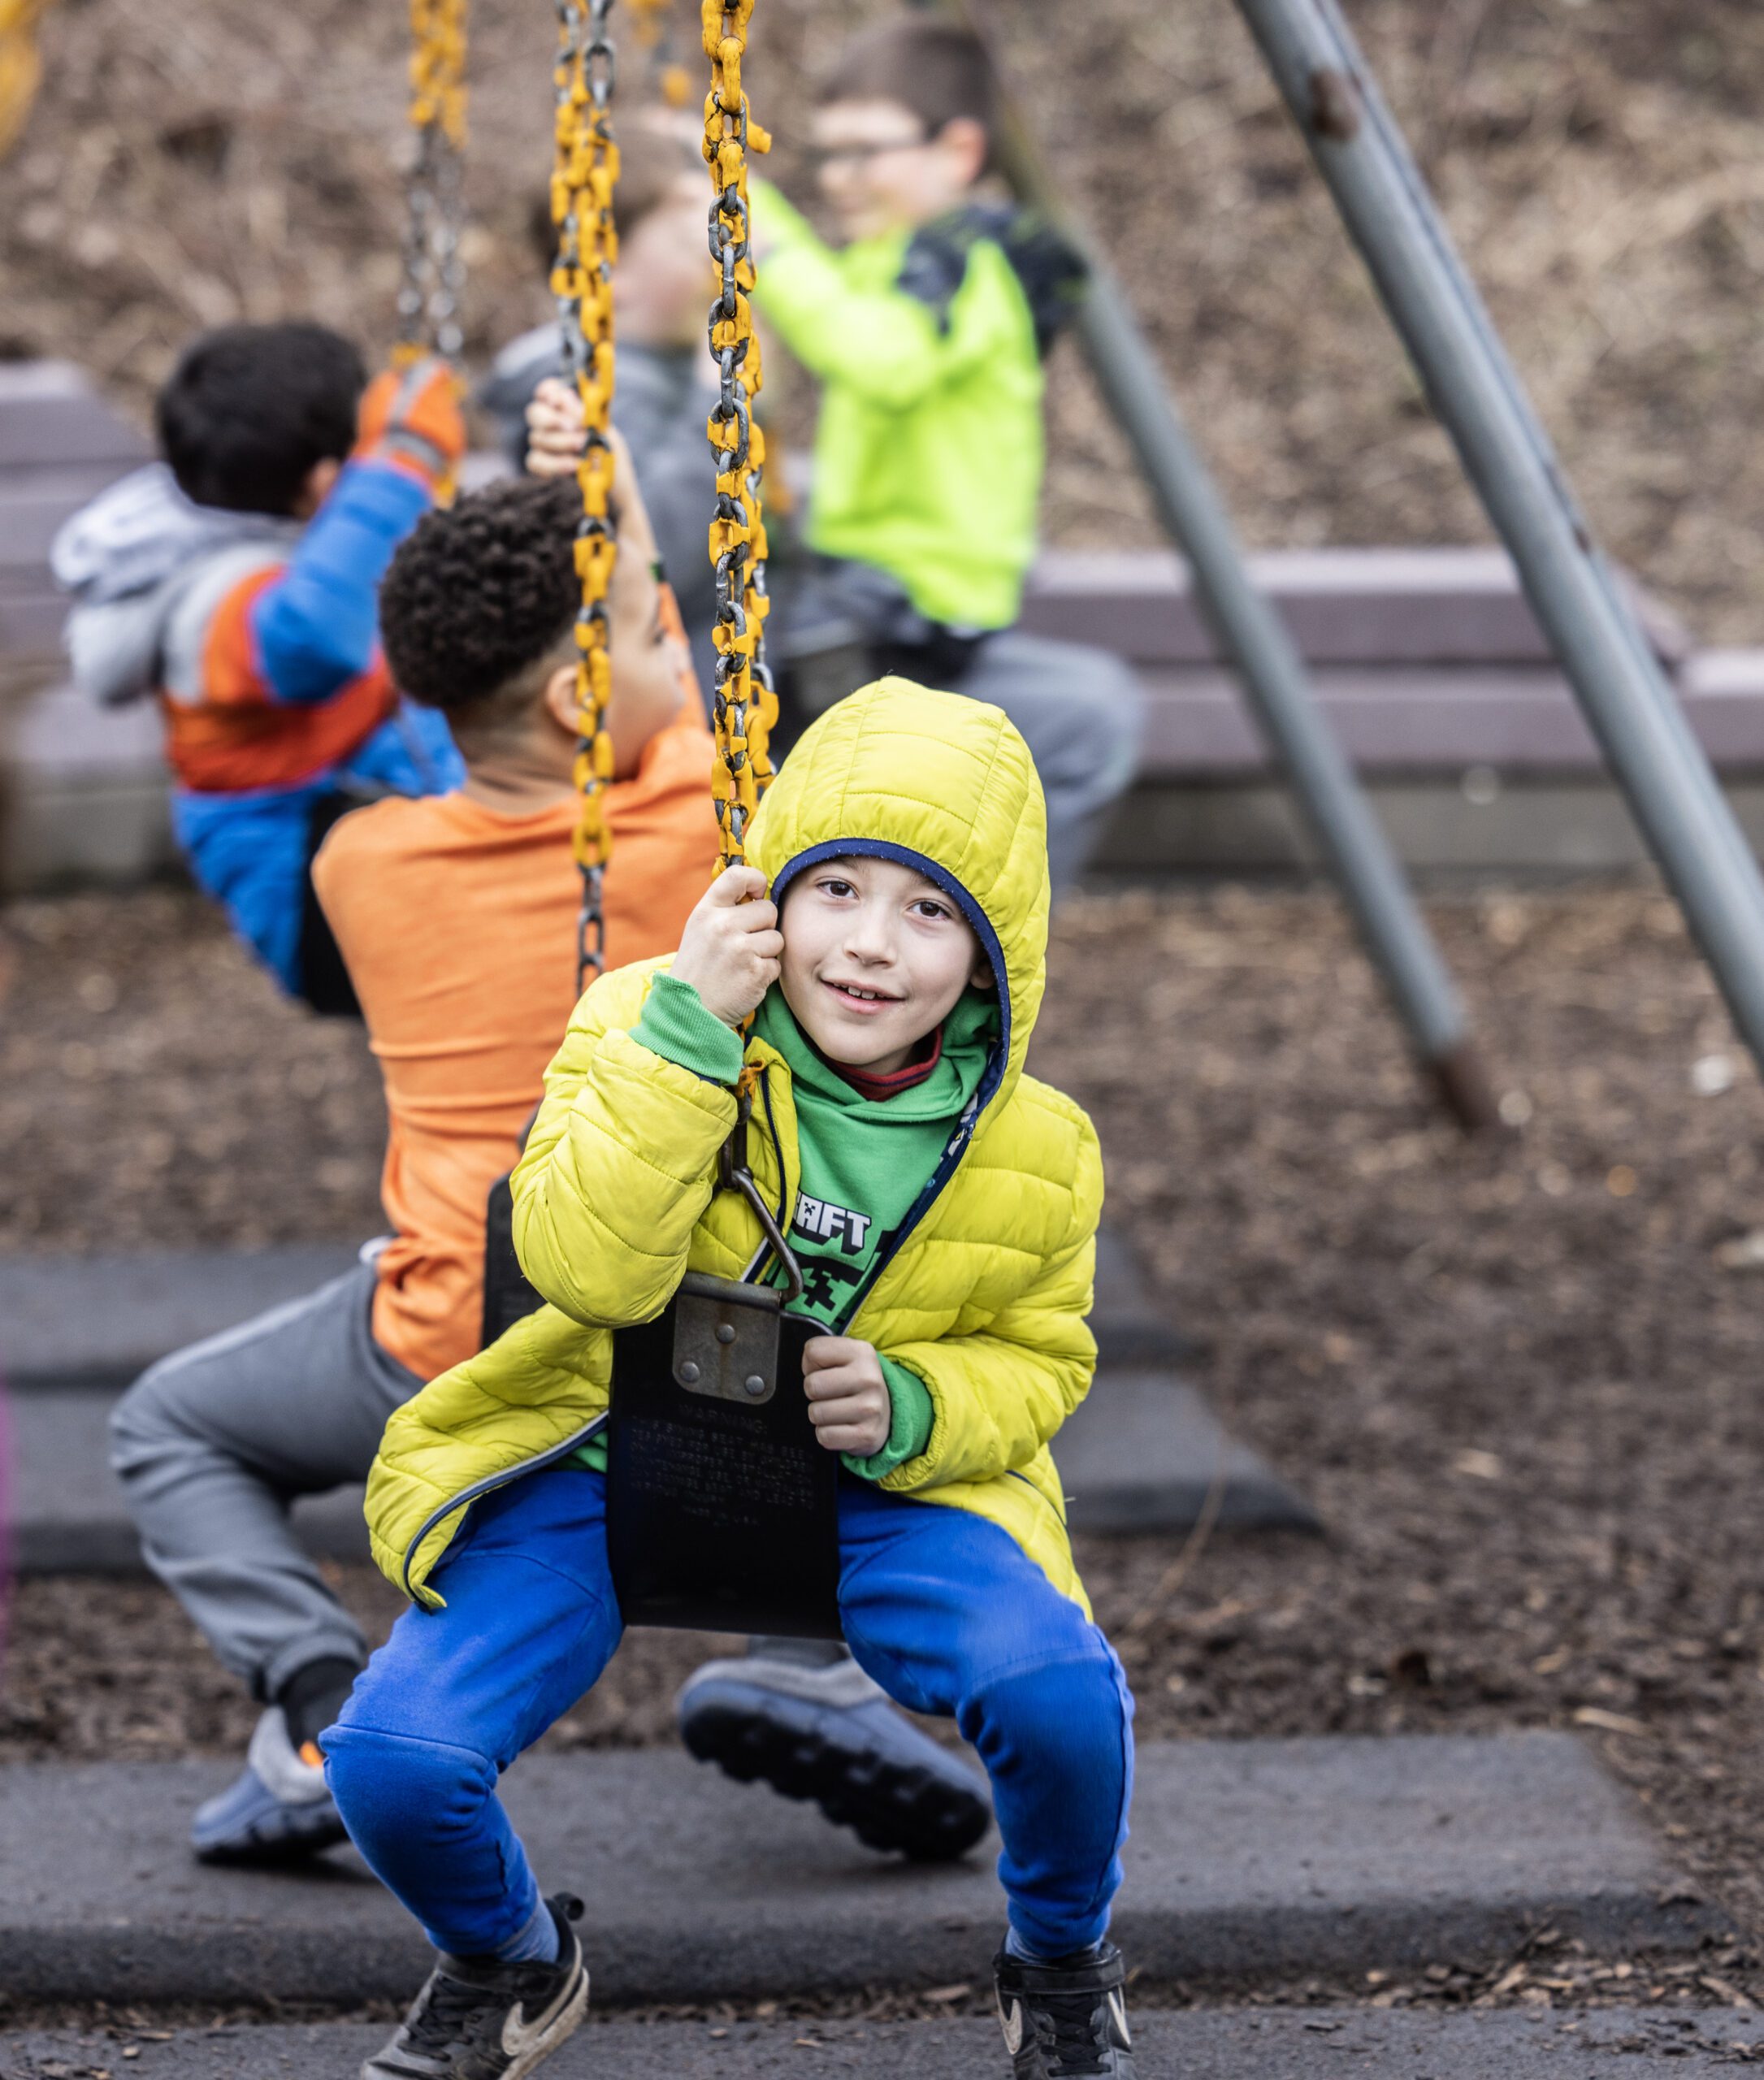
(1424, 659)
(1439, 683)
(60, 443)
(82, 792)
(1429, 663)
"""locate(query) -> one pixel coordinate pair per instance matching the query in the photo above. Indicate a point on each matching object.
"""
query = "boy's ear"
(560, 698)
(982, 977)
(320, 479)
(965, 143)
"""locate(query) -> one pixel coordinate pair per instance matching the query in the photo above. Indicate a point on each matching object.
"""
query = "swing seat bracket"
(725, 1339)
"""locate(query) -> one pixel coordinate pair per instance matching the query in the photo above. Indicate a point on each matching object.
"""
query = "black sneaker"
(828, 1734)
(1064, 2019)
(478, 2019)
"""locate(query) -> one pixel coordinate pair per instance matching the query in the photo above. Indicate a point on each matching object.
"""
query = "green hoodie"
(864, 1161)
(929, 450)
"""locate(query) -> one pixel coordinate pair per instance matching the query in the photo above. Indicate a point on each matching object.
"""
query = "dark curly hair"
(481, 594)
(250, 408)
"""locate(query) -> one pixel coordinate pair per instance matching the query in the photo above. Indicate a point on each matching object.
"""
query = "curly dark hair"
(483, 592)
(250, 408)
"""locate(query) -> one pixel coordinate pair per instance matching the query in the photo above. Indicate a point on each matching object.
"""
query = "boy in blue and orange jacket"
(235, 581)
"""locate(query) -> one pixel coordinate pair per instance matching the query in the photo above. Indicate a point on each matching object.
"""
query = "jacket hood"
(143, 531)
(942, 784)
(121, 557)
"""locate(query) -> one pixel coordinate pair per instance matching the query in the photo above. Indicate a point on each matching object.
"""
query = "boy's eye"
(831, 885)
(928, 906)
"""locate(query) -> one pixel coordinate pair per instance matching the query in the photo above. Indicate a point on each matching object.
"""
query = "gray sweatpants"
(214, 1443)
(1081, 713)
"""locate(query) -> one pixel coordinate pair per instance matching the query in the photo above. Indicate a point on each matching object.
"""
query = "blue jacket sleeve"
(315, 627)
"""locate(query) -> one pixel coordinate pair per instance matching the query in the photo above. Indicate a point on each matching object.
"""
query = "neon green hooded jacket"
(986, 1294)
(929, 450)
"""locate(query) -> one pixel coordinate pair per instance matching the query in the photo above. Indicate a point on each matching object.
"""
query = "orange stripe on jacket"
(236, 737)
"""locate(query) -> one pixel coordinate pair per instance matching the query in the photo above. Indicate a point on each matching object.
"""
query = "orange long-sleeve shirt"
(458, 924)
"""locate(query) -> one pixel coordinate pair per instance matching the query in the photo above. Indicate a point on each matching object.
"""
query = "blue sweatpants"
(942, 1608)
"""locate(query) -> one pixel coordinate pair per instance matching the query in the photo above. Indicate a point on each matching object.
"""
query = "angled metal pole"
(1473, 388)
(1252, 634)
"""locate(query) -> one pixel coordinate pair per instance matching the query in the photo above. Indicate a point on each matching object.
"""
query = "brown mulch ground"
(202, 160)
(1519, 1380)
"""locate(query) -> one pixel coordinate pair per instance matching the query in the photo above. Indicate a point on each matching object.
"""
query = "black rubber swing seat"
(722, 1511)
(721, 1508)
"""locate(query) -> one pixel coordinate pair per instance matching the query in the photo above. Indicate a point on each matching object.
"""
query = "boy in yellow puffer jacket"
(945, 1214)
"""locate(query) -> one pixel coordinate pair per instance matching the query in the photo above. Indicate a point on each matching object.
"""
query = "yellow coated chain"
(654, 21)
(743, 706)
(583, 171)
(438, 67)
(21, 68)
(428, 298)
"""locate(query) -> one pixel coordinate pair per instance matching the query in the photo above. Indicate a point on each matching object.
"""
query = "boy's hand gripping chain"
(428, 297)
(585, 167)
(744, 707)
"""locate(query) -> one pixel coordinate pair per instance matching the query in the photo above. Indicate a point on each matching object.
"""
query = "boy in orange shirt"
(457, 921)
(456, 913)
(456, 917)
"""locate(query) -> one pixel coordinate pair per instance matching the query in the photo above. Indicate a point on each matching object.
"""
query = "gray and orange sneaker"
(278, 1810)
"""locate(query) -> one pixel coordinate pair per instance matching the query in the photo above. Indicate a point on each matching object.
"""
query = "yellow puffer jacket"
(986, 1294)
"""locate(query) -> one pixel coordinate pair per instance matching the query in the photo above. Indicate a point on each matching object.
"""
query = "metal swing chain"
(743, 706)
(584, 169)
(654, 24)
(429, 293)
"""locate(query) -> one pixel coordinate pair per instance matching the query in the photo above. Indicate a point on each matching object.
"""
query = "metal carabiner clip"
(734, 1175)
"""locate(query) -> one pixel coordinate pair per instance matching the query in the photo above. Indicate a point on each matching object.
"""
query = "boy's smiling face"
(875, 958)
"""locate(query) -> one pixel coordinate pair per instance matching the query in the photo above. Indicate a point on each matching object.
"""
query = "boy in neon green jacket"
(927, 332)
(945, 1206)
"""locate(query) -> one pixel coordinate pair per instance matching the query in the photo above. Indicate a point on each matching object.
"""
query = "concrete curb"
(98, 1321)
(1250, 1861)
(1261, 2044)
